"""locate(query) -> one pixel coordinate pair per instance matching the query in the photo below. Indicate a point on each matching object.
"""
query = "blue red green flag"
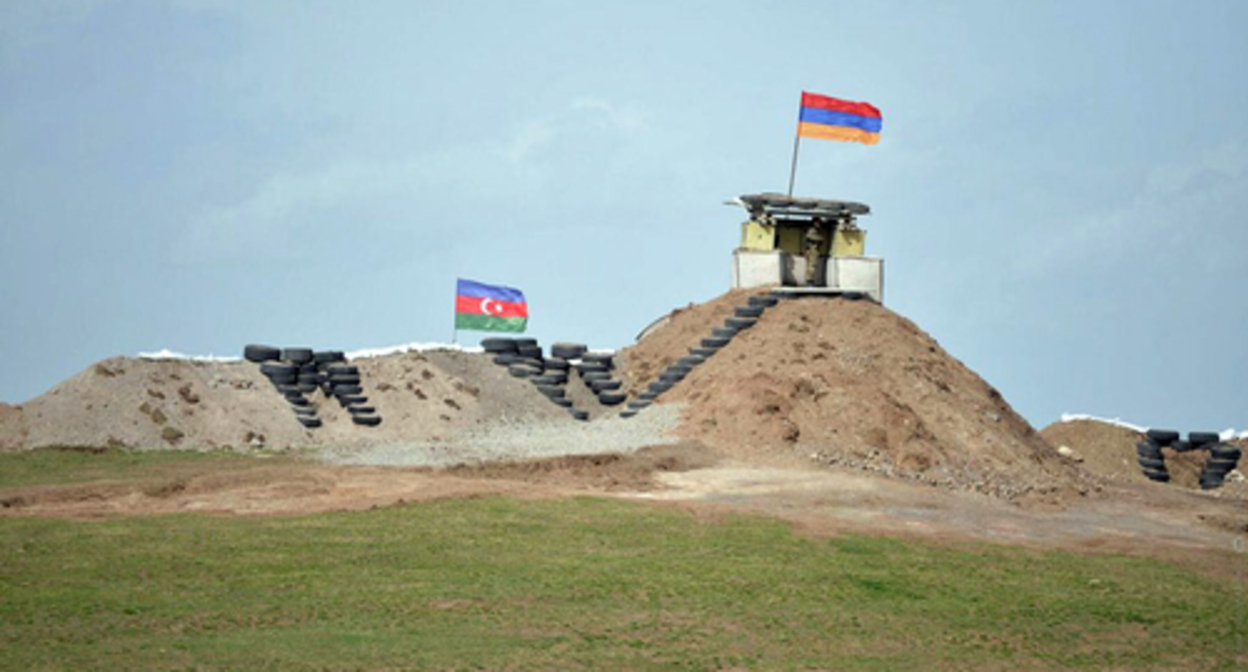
(482, 307)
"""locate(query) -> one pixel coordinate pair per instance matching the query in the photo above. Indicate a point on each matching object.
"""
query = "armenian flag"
(827, 118)
(482, 307)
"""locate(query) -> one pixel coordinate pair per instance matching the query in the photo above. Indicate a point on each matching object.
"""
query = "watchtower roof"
(795, 207)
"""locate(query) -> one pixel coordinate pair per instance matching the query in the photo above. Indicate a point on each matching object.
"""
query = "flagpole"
(797, 142)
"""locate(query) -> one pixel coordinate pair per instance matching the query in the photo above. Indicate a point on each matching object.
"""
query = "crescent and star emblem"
(485, 307)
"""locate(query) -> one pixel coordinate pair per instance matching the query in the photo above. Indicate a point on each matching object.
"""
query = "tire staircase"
(1222, 457)
(743, 317)
(552, 375)
(298, 373)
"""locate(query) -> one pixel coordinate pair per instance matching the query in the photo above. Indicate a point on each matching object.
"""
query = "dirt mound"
(1108, 451)
(177, 403)
(850, 383)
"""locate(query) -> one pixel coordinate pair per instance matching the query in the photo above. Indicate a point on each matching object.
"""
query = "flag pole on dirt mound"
(482, 307)
(827, 118)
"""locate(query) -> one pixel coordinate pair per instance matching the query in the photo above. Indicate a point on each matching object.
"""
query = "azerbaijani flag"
(482, 307)
(827, 118)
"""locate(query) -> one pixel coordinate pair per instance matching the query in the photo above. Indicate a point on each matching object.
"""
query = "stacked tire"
(346, 386)
(1222, 459)
(524, 359)
(1148, 454)
(597, 371)
(743, 317)
(297, 373)
(522, 356)
(293, 374)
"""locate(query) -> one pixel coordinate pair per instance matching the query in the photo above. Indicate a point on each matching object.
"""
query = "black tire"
(283, 381)
(310, 377)
(691, 360)
(297, 355)
(498, 345)
(1162, 437)
(361, 410)
(261, 353)
(343, 380)
(671, 377)
(1150, 463)
(723, 332)
(340, 390)
(592, 367)
(1148, 449)
(1203, 438)
(578, 414)
(1159, 476)
(309, 421)
(535, 363)
(1218, 466)
(595, 375)
(352, 400)
(748, 311)
(659, 387)
(638, 404)
(303, 410)
(1211, 485)
(525, 341)
(298, 401)
(765, 300)
(567, 350)
(715, 342)
(628, 413)
(366, 420)
(308, 388)
(278, 369)
(647, 396)
(343, 370)
(507, 358)
(327, 356)
(547, 379)
(521, 371)
(612, 398)
(1223, 451)
(704, 353)
(1181, 446)
(599, 386)
(557, 363)
(531, 352)
(551, 390)
(561, 402)
(604, 358)
(740, 323)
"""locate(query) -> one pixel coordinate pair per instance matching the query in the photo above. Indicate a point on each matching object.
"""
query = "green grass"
(64, 466)
(564, 584)
(578, 584)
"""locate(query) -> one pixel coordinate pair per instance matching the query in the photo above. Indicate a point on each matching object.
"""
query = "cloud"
(1179, 207)
(376, 194)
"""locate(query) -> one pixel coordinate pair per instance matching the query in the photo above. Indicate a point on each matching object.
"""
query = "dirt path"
(1148, 520)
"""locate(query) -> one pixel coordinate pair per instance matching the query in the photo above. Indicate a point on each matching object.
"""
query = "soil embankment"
(850, 383)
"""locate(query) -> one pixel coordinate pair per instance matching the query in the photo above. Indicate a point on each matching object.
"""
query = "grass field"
(582, 583)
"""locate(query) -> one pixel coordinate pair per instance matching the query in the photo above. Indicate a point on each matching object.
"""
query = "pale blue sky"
(1060, 194)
